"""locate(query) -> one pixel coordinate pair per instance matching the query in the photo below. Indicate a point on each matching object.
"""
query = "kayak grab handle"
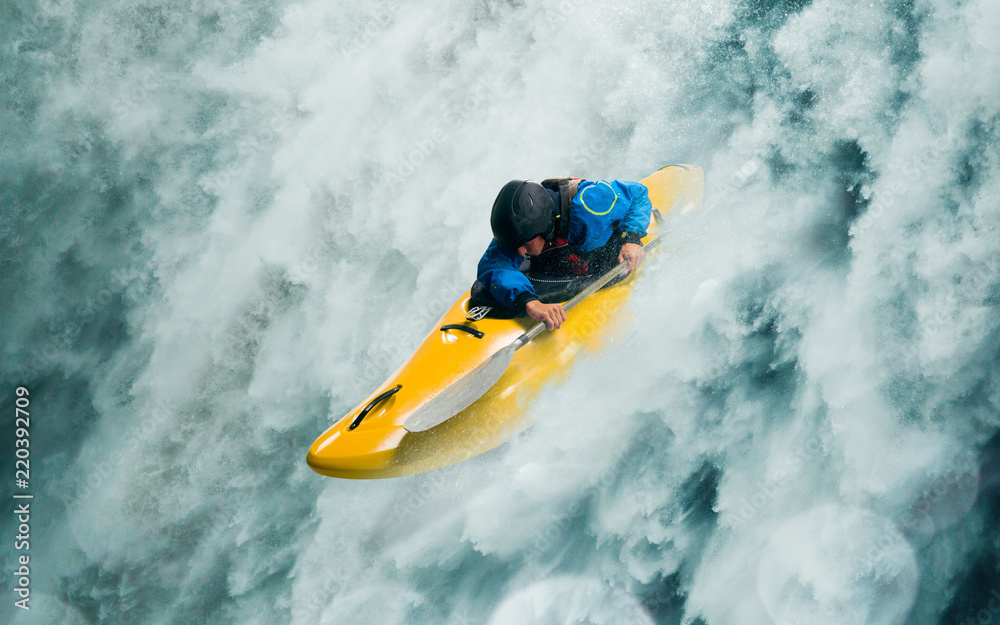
(457, 326)
(372, 404)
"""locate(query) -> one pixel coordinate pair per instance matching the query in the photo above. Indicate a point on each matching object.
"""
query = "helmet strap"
(566, 188)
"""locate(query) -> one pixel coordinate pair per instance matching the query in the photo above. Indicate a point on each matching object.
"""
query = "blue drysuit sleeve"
(637, 218)
(498, 271)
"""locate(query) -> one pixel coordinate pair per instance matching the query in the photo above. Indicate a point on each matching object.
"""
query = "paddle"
(474, 384)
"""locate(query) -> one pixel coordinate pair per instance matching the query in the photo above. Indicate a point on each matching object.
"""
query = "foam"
(266, 206)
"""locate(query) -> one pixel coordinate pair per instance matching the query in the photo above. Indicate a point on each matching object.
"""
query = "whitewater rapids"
(224, 223)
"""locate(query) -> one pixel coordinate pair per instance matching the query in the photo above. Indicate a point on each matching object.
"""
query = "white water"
(226, 223)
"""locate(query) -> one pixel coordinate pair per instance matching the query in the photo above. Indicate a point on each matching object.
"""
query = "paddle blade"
(462, 393)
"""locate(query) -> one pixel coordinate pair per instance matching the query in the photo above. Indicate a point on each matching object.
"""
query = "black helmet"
(522, 211)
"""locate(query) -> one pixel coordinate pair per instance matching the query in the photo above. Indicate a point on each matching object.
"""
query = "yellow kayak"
(371, 442)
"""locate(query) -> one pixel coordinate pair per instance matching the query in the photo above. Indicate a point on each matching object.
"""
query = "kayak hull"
(378, 446)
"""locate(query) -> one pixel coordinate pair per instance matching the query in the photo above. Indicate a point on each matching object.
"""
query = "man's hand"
(552, 314)
(633, 253)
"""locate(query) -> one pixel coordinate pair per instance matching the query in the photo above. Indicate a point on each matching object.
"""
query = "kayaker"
(565, 226)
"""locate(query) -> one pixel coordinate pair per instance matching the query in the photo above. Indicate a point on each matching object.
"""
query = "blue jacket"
(596, 208)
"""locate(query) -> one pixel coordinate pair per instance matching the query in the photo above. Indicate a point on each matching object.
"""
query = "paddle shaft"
(473, 385)
(598, 284)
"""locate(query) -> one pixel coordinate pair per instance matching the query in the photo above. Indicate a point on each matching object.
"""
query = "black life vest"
(566, 187)
(557, 258)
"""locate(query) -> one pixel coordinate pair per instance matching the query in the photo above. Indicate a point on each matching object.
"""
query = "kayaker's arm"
(552, 314)
(635, 223)
(637, 218)
(499, 272)
(633, 253)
